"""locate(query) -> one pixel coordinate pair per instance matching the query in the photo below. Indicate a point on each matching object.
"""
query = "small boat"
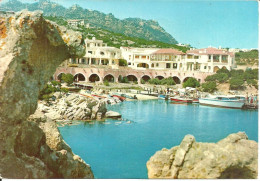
(119, 97)
(196, 100)
(164, 97)
(161, 96)
(222, 101)
(100, 97)
(181, 99)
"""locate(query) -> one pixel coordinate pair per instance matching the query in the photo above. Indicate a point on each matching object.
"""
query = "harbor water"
(117, 149)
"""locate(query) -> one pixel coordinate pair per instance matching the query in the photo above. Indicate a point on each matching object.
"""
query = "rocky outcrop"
(112, 114)
(30, 50)
(233, 157)
(73, 107)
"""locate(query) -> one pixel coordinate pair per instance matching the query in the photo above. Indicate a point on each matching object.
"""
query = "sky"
(203, 23)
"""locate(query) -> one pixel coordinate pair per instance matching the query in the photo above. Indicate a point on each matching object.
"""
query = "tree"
(155, 81)
(223, 70)
(236, 84)
(68, 78)
(167, 81)
(209, 86)
(191, 82)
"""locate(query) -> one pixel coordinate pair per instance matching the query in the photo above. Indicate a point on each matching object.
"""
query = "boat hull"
(181, 100)
(222, 103)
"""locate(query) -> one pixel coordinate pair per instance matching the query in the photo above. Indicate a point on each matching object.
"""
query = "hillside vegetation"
(116, 39)
(237, 79)
(134, 27)
(247, 58)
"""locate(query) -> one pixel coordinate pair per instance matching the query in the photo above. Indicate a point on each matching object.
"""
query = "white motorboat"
(222, 101)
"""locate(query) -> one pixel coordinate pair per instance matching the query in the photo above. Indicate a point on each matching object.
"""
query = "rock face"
(233, 157)
(73, 107)
(30, 50)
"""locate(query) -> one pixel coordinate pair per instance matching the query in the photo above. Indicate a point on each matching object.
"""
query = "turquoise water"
(121, 150)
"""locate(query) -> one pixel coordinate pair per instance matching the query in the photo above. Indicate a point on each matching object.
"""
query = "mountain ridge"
(135, 27)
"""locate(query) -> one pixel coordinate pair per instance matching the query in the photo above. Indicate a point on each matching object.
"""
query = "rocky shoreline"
(233, 157)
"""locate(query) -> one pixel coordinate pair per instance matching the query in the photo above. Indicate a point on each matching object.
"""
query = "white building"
(98, 53)
(202, 60)
(209, 60)
(76, 22)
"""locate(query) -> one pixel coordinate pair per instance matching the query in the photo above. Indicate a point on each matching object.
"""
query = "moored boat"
(181, 99)
(222, 101)
(119, 97)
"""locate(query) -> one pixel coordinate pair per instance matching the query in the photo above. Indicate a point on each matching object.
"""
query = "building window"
(209, 57)
(196, 57)
(189, 57)
(174, 65)
(102, 53)
(143, 57)
(205, 67)
(157, 64)
(136, 56)
(216, 58)
(168, 65)
(152, 65)
(90, 52)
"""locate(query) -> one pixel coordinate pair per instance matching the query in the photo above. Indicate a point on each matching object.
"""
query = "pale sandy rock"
(233, 157)
(30, 50)
(113, 114)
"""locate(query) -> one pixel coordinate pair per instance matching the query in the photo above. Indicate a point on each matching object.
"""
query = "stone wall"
(30, 50)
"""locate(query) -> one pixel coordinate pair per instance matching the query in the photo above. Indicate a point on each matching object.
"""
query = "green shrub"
(168, 81)
(46, 97)
(222, 77)
(223, 70)
(67, 78)
(55, 83)
(125, 80)
(250, 74)
(155, 81)
(191, 82)
(135, 82)
(209, 86)
(237, 74)
(65, 90)
(253, 83)
(106, 83)
(122, 62)
(120, 78)
(236, 84)
(142, 81)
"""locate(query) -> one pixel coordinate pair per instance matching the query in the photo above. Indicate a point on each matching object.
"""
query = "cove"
(117, 149)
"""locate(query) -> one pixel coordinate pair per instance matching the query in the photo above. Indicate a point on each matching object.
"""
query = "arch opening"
(146, 78)
(94, 78)
(184, 80)
(159, 77)
(109, 78)
(59, 76)
(132, 78)
(79, 77)
(176, 79)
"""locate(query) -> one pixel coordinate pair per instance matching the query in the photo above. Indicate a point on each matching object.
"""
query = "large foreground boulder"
(30, 50)
(233, 157)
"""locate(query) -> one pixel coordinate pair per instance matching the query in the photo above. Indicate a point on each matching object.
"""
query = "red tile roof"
(210, 51)
(169, 51)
